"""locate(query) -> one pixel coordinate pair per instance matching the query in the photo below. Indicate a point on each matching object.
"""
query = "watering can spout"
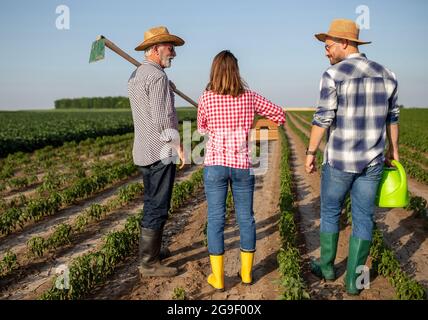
(392, 191)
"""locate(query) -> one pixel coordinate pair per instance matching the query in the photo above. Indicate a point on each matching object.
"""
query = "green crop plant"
(8, 263)
(92, 268)
(289, 256)
(179, 294)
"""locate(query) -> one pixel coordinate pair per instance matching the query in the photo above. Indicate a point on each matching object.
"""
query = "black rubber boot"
(150, 247)
(164, 253)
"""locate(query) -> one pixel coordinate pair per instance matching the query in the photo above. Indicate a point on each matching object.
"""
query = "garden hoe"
(98, 51)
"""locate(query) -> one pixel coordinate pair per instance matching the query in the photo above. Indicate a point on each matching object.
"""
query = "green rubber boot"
(324, 268)
(359, 250)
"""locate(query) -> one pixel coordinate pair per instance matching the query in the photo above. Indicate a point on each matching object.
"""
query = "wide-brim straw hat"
(158, 35)
(342, 29)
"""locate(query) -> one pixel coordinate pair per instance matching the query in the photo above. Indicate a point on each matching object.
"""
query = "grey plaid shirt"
(358, 97)
(154, 114)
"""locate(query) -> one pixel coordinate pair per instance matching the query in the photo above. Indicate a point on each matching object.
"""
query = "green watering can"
(392, 191)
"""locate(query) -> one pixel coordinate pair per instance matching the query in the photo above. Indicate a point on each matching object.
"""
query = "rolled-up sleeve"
(393, 108)
(162, 107)
(327, 104)
(202, 119)
(268, 109)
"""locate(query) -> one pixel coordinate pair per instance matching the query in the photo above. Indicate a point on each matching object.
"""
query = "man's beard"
(166, 61)
(333, 61)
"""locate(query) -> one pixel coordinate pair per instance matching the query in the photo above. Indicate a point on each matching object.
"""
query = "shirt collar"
(153, 64)
(356, 55)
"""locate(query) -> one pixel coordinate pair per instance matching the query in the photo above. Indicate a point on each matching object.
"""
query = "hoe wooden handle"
(126, 56)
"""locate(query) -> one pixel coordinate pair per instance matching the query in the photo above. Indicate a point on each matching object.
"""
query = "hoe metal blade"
(97, 50)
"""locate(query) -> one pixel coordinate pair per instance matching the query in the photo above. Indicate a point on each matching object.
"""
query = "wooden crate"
(271, 126)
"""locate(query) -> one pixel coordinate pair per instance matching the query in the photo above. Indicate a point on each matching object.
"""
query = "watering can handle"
(401, 172)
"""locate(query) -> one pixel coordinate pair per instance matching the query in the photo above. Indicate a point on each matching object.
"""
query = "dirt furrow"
(31, 190)
(407, 235)
(37, 277)
(304, 130)
(41, 276)
(66, 215)
(47, 224)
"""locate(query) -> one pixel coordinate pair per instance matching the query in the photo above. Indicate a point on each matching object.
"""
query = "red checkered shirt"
(228, 121)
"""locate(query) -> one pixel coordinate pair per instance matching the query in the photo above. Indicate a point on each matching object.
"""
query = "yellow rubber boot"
(247, 259)
(216, 278)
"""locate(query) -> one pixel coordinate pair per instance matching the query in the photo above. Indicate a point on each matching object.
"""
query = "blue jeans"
(335, 184)
(158, 179)
(216, 182)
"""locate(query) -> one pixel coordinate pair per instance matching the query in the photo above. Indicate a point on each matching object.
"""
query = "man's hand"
(392, 132)
(310, 164)
(391, 155)
(180, 152)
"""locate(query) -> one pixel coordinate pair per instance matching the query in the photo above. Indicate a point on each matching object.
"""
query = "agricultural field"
(31, 130)
(70, 211)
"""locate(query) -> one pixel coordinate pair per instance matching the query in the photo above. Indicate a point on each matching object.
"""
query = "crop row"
(305, 140)
(65, 232)
(57, 181)
(302, 122)
(24, 167)
(413, 132)
(414, 156)
(30, 130)
(40, 207)
(92, 269)
(8, 263)
(289, 258)
(60, 176)
(414, 170)
(386, 264)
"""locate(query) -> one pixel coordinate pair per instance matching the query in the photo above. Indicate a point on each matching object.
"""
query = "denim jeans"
(335, 184)
(158, 179)
(216, 182)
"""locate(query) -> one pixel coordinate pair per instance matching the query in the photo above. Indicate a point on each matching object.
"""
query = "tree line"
(93, 103)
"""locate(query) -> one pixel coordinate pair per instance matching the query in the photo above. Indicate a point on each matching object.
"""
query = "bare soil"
(35, 275)
(184, 234)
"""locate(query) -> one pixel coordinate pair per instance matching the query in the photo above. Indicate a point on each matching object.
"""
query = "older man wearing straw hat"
(156, 143)
(357, 108)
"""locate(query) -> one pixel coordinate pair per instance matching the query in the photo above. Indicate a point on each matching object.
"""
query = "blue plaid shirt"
(358, 98)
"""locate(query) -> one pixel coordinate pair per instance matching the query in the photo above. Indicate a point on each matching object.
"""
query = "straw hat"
(158, 35)
(343, 29)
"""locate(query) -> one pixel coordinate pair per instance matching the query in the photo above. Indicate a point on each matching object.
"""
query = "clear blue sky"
(273, 40)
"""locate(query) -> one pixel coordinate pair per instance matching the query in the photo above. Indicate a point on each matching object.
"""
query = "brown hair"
(224, 77)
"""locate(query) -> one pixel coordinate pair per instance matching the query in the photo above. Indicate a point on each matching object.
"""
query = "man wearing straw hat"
(156, 143)
(358, 110)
